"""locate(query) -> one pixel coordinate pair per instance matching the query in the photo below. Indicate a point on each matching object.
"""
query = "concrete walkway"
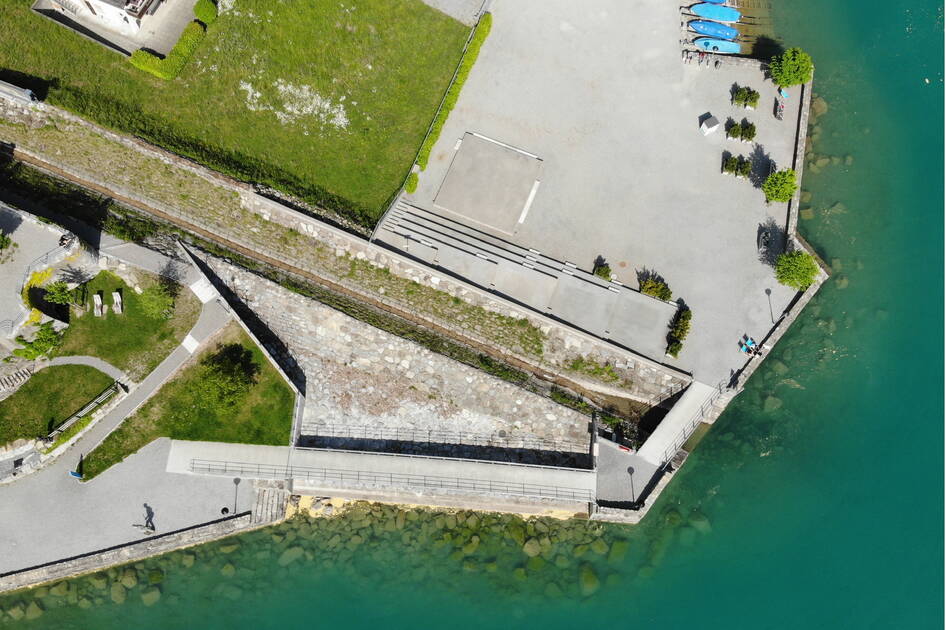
(677, 425)
(93, 362)
(622, 475)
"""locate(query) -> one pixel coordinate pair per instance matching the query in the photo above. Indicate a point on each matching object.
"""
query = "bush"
(740, 96)
(748, 131)
(453, 92)
(793, 67)
(656, 288)
(731, 165)
(681, 324)
(170, 66)
(411, 185)
(5, 241)
(780, 186)
(734, 131)
(752, 98)
(59, 293)
(796, 269)
(674, 348)
(603, 271)
(205, 11)
(744, 169)
(43, 343)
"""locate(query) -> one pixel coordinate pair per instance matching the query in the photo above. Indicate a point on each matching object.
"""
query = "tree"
(796, 269)
(59, 293)
(205, 11)
(734, 131)
(227, 375)
(780, 186)
(731, 165)
(656, 288)
(748, 131)
(793, 67)
(156, 302)
(745, 167)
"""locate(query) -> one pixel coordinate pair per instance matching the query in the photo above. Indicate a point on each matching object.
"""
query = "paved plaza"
(603, 100)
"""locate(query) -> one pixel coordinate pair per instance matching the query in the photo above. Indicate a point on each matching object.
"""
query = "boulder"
(471, 546)
(150, 596)
(187, 560)
(229, 547)
(618, 550)
(588, 581)
(129, 578)
(84, 602)
(579, 551)
(118, 593)
(228, 570)
(553, 590)
(35, 610)
(61, 589)
(700, 523)
(290, 555)
(771, 403)
(16, 611)
(98, 581)
(532, 548)
(535, 564)
(155, 576)
(599, 546)
(516, 532)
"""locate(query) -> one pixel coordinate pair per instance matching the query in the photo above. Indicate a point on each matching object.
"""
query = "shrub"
(5, 241)
(748, 131)
(745, 167)
(731, 165)
(734, 131)
(752, 98)
(59, 293)
(603, 271)
(411, 185)
(156, 301)
(793, 67)
(45, 341)
(170, 66)
(740, 96)
(796, 269)
(205, 11)
(453, 92)
(656, 288)
(780, 186)
(681, 324)
(674, 348)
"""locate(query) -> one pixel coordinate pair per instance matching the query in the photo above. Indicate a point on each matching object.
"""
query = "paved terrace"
(602, 101)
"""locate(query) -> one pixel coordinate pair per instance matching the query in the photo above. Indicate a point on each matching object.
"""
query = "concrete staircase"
(679, 424)
(13, 381)
(270, 505)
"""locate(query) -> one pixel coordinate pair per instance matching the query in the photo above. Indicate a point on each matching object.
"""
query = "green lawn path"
(179, 410)
(47, 399)
(328, 101)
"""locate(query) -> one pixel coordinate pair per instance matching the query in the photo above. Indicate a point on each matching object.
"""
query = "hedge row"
(205, 11)
(453, 92)
(170, 66)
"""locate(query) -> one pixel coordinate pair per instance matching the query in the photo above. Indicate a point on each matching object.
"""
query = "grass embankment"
(228, 393)
(134, 342)
(325, 101)
(47, 399)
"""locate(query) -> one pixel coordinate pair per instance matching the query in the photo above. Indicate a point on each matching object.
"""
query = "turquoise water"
(824, 512)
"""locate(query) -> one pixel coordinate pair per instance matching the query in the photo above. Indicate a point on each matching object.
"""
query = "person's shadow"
(149, 517)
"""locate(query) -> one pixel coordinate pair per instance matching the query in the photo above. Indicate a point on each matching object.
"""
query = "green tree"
(731, 165)
(748, 132)
(156, 302)
(43, 343)
(792, 67)
(656, 288)
(780, 186)
(745, 167)
(5, 241)
(734, 131)
(205, 11)
(59, 293)
(227, 375)
(796, 269)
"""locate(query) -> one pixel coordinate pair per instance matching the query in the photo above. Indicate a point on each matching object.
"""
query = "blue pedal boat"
(710, 44)
(714, 29)
(716, 12)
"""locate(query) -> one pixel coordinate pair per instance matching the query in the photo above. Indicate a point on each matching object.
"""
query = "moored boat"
(714, 29)
(716, 12)
(710, 44)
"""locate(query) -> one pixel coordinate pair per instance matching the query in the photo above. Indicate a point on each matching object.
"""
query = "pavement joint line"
(507, 146)
(528, 204)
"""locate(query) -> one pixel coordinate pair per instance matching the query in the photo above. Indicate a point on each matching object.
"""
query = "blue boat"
(714, 29)
(716, 12)
(710, 44)
(716, 1)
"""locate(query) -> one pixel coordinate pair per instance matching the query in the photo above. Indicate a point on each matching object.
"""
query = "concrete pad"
(489, 184)
(677, 425)
(577, 300)
(640, 322)
(477, 270)
(422, 250)
(528, 286)
(190, 344)
(204, 290)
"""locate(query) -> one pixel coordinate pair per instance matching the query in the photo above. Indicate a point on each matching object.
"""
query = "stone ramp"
(270, 504)
(354, 473)
(677, 425)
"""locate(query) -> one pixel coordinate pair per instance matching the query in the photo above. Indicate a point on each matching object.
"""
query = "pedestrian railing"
(684, 434)
(109, 391)
(437, 436)
(360, 478)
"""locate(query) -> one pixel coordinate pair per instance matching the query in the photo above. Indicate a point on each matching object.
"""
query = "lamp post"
(630, 471)
(236, 488)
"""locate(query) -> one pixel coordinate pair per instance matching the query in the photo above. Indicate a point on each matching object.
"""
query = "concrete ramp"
(378, 475)
(677, 425)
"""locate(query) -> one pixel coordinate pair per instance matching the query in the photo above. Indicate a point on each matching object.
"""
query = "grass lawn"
(48, 398)
(182, 410)
(132, 341)
(329, 101)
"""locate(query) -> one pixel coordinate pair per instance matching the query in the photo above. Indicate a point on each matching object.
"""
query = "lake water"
(816, 500)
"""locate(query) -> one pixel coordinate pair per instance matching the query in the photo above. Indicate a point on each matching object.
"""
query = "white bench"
(117, 305)
(97, 307)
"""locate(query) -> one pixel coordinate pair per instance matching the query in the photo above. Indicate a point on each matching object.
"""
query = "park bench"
(97, 307)
(117, 305)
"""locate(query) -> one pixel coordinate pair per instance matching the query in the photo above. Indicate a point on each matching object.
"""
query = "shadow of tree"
(77, 275)
(762, 165)
(644, 274)
(770, 241)
(171, 278)
(766, 47)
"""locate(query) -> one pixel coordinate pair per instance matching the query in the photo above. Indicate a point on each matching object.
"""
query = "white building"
(120, 16)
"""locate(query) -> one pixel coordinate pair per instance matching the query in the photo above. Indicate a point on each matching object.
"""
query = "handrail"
(402, 480)
(107, 393)
(684, 434)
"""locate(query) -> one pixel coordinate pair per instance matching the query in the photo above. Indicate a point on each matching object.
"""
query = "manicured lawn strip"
(47, 399)
(179, 410)
(132, 341)
(453, 93)
(386, 62)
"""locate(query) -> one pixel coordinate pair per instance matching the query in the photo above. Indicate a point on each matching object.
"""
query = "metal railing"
(109, 391)
(436, 436)
(336, 476)
(684, 434)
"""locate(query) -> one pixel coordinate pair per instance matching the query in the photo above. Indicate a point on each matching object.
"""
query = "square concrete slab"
(578, 300)
(490, 184)
(527, 286)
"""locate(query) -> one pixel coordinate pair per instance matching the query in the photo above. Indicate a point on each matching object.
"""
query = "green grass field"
(132, 341)
(329, 101)
(181, 410)
(48, 398)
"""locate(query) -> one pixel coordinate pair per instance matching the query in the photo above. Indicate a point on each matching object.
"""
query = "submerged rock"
(99, 581)
(290, 555)
(588, 581)
(84, 602)
(155, 576)
(129, 578)
(17, 611)
(771, 404)
(228, 570)
(118, 593)
(700, 522)
(150, 596)
(819, 107)
(229, 547)
(60, 589)
(187, 560)
(599, 546)
(532, 548)
(618, 550)
(35, 610)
